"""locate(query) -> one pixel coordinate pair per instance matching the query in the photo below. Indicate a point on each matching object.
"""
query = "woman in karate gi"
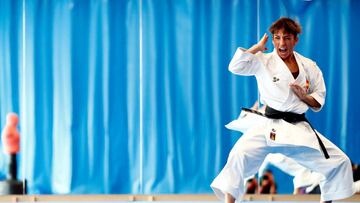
(291, 83)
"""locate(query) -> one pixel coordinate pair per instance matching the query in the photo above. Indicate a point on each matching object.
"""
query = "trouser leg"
(244, 160)
(338, 181)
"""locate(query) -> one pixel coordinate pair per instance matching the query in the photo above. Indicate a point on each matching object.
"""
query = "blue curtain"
(80, 125)
(132, 96)
(10, 65)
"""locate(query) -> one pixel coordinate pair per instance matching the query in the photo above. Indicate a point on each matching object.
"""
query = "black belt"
(291, 118)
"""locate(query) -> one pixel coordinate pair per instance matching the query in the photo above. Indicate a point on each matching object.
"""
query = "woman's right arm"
(244, 62)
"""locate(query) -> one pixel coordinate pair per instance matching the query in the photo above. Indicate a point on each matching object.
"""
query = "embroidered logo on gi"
(307, 85)
(272, 134)
(275, 79)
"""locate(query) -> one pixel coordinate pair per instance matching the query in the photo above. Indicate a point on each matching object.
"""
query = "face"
(284, 43)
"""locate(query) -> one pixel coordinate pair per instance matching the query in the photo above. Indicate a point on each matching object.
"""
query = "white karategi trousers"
(296, 141)
(303, 177)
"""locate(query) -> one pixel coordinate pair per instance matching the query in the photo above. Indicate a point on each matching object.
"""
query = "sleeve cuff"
(319, 99)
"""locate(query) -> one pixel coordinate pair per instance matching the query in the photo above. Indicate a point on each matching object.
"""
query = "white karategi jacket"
(273, 78)
(265, 135)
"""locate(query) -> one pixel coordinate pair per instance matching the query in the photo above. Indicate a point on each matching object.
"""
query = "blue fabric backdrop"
(132, 96)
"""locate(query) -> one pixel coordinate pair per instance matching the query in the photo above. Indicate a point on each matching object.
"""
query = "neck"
(289, 59)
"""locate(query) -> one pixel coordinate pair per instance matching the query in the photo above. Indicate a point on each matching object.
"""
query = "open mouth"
(282, 50)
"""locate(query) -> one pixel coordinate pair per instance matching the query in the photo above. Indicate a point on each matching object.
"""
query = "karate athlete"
(289, 84)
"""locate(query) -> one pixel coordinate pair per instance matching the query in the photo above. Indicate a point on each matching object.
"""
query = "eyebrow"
(282, 35)
(286, 35)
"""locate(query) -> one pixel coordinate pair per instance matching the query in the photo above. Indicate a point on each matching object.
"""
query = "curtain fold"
(132, 96)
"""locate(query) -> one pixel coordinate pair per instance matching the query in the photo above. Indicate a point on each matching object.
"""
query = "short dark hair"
(288, 24)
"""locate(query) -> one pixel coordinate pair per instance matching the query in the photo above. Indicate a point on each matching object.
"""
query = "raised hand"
(262, 43)
(260, 46)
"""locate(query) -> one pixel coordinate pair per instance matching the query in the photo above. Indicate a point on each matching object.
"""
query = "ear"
(296, 39)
